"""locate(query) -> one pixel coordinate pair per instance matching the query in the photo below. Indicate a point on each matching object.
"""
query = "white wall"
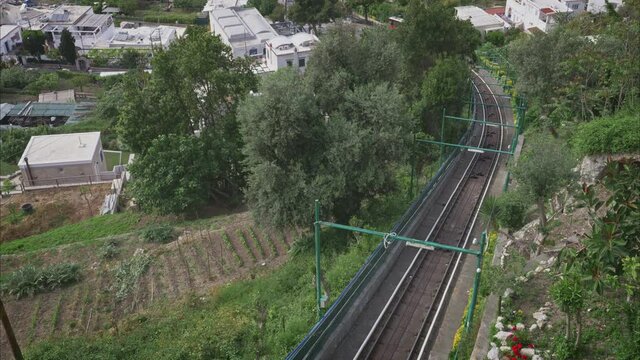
(10, 41)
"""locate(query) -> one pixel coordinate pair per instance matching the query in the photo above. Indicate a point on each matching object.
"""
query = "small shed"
(63, 159)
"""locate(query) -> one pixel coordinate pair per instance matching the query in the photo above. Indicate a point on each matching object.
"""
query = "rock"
(138, 252)
(507, 293)
(519, 326)
(503, 336)
(521, 279)
(593, 166)
(528, 352)
(541, 318)
(499, 326)
(548, 304)
(547, 270)
(505, 348)
(494, 353)
(536, 357)
(538, 269)
(533, 327)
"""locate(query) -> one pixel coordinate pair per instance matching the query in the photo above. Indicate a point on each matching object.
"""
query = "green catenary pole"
(476, 282)
(317, 242)
(444, 110)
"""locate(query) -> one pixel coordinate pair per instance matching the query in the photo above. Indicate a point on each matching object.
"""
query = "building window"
(101, 156)
(301, 62)
(253, 51)
(289, 63)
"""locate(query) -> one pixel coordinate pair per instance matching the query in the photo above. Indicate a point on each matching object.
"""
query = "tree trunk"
(366, 14)
(578, 328)
(568, 332)
(543, 215)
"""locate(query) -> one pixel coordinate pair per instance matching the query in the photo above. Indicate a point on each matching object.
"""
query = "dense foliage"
(33, 41)
(30, 280)
(67, 47)
(296, 154)
(194, 89)
(619, 133)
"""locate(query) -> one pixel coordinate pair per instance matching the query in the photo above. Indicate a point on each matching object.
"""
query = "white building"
(243, 29)
(223, 4)
(540, 14)
(143, 37)
(290, 51)
(10, 38)
(481, 20)
(63, 159)
(598, 6)
(85, 26)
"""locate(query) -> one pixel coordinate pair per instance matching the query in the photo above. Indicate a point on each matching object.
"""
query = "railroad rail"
(405, 311)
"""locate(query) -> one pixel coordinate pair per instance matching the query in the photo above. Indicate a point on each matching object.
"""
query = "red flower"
(531, 346)
(514, 338)
(514, 328)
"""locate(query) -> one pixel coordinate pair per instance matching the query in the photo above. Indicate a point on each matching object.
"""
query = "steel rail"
(475, 216)
(401, 283)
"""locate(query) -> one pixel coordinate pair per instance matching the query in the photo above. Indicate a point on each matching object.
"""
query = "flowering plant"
(517, 344)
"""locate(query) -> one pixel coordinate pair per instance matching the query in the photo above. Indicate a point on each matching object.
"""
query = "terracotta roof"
(547, 10)
(495, 10)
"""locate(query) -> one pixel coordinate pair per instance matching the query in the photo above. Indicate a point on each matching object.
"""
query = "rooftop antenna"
(80, 141)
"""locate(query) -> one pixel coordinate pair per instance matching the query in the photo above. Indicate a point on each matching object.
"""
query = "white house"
(290, 51)
(10, 38)
(598, 6)
(540, 14)
(223, 4)
(243, 29)
(481, 20)
(143, 37)
(86, 27)
(63, 159)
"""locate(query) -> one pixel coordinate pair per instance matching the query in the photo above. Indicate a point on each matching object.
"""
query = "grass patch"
(113, 159)
(84, 231)
(158, 234)
(7, 169)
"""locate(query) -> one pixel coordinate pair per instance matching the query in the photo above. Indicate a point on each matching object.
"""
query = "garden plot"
(117, 283)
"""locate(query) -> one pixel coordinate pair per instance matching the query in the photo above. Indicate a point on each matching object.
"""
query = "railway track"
(409, 303)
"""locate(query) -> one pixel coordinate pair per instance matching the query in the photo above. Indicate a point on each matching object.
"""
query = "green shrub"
(108, 250)
(160, 234)
(17, 77)
(30, 280)
(609, 135)
(511, 209)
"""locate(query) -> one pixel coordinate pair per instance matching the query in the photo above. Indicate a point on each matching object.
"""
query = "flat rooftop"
(243, 24)
(46, 150)
(5, 30)
(478, 17)
(223, 4)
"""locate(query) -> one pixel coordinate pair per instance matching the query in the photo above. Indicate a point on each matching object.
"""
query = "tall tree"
(285, 139)
(543, 168)
(33, 41)
(173, 175)
(445, 86)
(68, 47)
(429, 33)
(314, 12)
(365, 4)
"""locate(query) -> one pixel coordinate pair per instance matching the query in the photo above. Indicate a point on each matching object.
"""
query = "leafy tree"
(128, 7)
(444, 87)
(265, 7)
(497, 38)
(512, 208)
(314, 12)
(278, 13)
(429, 33)
(46, 81)
(68, 47)
(132, 59)
(285, 139)
(169, 177)
(296, 155)
(342, 61)
(33, 41)
(569, 293)
(365, 4)
(543, 168)
(17, 77)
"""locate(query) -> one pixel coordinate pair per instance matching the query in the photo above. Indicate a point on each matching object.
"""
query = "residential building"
(143, 37)
(290, 51)
(481, 20)
(541, 14)
(243, 29)
(63, 159)
(10, 38)
(223, 4)
(85, 26)
(598, 6)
